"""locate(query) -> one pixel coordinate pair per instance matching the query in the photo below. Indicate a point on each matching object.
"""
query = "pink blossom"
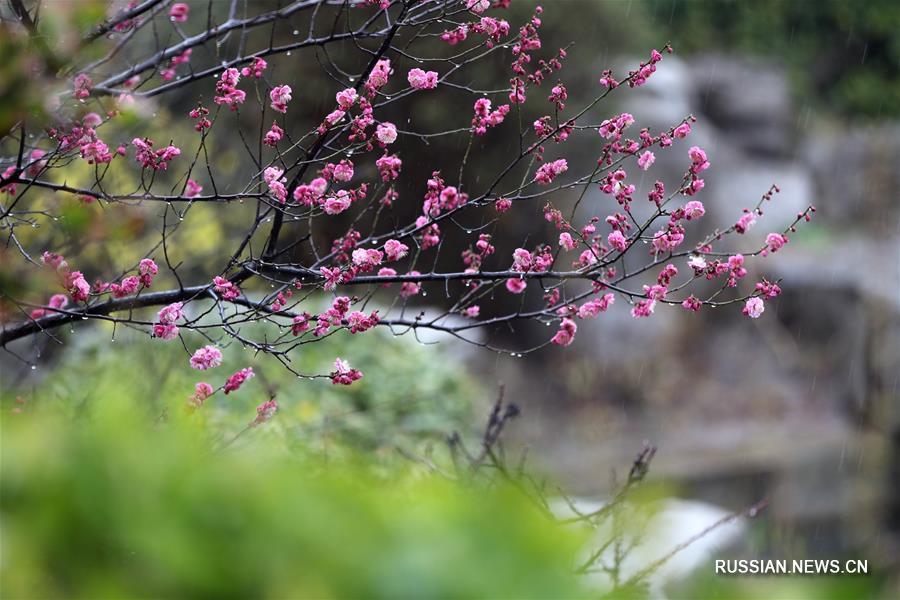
(386, 133)
(280, 96)
(694, 210)
(775, 242)
(395, 250)
(338, 203)
(566, 333)
(128, 286)
(502, 205)
(378, 78)
(274, 135)
(547, 172)
(485, 117)
(206, 357)
(471, 312)
(682, 131)
(746, 221)
(171, 313)
(226, 289)
(592, 308)
(78, 287)
(646, 159)
(346, 98)
(343, 374)
(237, 380)
(363, 257)
(82, 86)
(153, 159)
(422, 80)
(192, 189)
(643, 308)
(332, 278)
(698, 158)
(309, 194)
(264, 412)
(516, 285)
(147, 269)
(617, 240)
(255, 69)
(389, 167)
(226, 89)
(478, 6)
(178, 12)
(165, 331)
(566, 241)
(410, 288)
(273, 177)
(754, 307)
(202, 391)
(343, 171)
(522, 260)
(691, 303)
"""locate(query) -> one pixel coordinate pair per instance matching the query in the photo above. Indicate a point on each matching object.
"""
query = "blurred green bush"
(120, 506)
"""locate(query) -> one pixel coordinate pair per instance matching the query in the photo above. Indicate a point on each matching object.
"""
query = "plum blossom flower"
(237, 380)
(147, 269)
(82, 86)
(502, 205)
(754, 307)
(202, 391)
(192, 189)
(683, 130)
(363, 257)
(346, 98)
(478, 6)
(255, 69)
(226, 289)
(694, 210)
(264, 412)
(395, 250)
(170, 313)
(566, 240)
(471, 312)
(774, 242)
(646, 160)
(78, 287)
(746, 221)
(643, 308)
(386, 133)
(691, 303)
(422, 80)
(516, 285)
(410, 288)
(617, 240)
(343, 171)
(547, 172)
(226, 89)
(280, 96)
(566, 333)
(338, 203)
(343, 374)
(206, 357)
(592, 308)
(178, 12)
(274, 135)
(273, 177)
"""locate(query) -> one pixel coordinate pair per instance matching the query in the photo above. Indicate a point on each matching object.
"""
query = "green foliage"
(844, 54)
(117, 505)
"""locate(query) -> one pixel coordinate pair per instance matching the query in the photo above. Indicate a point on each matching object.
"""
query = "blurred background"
(801, 406)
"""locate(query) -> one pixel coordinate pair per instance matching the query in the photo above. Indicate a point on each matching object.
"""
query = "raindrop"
(288, 53)
(296, 32)
(34, 367)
